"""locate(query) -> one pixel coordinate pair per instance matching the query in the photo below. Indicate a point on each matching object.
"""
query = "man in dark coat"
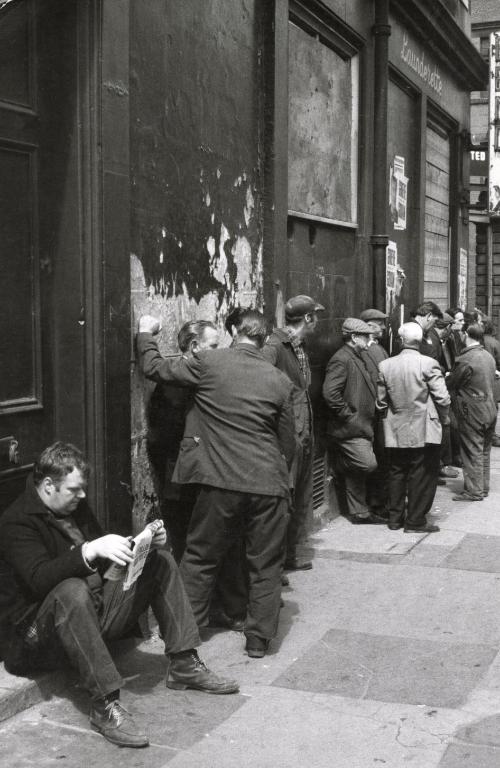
(58, 602)
(285, 349)
(350, 393)
(238, 443)
(472, 388)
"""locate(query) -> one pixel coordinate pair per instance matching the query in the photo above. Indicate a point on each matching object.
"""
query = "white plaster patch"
(164, 231)
(218, 267)
(161, 257)
(212, 218)
(238, 182)
(249, 206)
(207, 200)
(242, 254)
(219, 174)
(211, 246)
(180, 243)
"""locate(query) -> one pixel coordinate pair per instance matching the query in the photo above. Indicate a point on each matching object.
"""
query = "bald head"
(410, 335)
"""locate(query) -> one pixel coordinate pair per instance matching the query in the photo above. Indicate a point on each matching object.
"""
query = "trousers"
(413, 473)
(475, 450)
(219, 517)
(352, 461)
(68, 618)
(301, 501)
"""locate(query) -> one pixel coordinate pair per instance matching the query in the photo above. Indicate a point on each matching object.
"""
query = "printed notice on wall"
(398, 192)
(462, 279)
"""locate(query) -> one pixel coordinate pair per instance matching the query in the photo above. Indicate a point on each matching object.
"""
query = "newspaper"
(140, 546)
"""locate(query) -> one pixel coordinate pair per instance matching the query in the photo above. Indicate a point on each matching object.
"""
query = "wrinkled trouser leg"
(355, 461)
(472, 455)
(217, 520)
(69, 615)
(422, 483)
(68, 612)
(399, 463)
(300, 509)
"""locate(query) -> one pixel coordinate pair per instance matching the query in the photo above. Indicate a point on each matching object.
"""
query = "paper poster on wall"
(398, 193)
(394, 278)
(462, 279)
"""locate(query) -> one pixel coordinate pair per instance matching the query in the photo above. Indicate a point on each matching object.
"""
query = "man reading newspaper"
(57, 602)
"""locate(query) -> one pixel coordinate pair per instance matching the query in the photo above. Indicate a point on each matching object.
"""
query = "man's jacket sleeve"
(439, 392)
(181, 371)
(333, 389)
(286, 429)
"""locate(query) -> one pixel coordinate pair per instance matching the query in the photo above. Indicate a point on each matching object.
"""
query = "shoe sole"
(141, 745)
(175, 686)
(256, 654)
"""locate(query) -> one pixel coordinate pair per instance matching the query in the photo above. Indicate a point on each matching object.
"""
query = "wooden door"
(437, 217)
(42, 362)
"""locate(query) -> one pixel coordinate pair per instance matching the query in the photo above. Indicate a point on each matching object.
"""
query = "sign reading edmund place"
(427, 72)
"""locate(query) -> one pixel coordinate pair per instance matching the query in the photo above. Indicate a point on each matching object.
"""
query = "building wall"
(196, 166)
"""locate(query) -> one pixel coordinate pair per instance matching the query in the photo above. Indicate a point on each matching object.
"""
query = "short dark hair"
(476, 332)
(253, 324)
(59, 460)
(453, 311)
(426, 307)
(233, 319)
(488, 327)
(192, 331)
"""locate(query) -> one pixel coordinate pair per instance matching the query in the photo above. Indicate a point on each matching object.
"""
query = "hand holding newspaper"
(140, 546)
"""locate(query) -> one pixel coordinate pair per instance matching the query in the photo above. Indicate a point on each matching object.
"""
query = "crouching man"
(58, 603)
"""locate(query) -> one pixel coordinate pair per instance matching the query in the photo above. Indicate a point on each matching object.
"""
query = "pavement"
(387, 656)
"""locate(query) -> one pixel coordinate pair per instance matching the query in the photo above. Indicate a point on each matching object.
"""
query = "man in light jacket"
(414, 403)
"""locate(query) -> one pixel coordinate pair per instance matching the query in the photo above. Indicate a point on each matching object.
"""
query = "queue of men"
(238, 423)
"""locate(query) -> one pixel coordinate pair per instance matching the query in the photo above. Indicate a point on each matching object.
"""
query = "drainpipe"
(379, 238)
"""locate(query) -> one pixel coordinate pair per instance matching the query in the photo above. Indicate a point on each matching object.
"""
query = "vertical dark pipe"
(379, 238)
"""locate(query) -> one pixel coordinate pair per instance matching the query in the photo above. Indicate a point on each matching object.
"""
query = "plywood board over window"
(322, 131)
(437, 218)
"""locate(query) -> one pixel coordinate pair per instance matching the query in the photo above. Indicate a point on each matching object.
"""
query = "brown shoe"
(186, 670)
(117, 725)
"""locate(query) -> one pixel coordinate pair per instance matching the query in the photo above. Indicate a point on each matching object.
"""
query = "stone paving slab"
(475, 553)
(367, 539)
(378, 667)
(470, 756)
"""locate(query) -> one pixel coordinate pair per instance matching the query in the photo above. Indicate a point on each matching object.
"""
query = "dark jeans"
(413, 472)
(301, 501)
(218, 518)
(475, 450)
(68, 617)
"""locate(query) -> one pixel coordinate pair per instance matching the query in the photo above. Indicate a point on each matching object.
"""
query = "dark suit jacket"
(471, 384)
(350, 395)
(279, 351)
(38, 555)
(240, 434)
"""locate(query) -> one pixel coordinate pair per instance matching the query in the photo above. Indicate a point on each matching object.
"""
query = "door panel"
(41, 353)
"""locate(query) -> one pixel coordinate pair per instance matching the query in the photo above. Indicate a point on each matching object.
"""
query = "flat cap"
(372, 314)
(445, 321)
(353, 325)
(298, 306)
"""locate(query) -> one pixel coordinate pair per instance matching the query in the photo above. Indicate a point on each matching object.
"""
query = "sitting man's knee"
(74, 590)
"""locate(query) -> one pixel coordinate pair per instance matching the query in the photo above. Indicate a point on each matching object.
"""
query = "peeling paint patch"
(219, 174)
(238, 182)
(211, 246)
(161, 257)
(118, 88)
(163, 231)
(207, 200)
(242, 254)
(250, 205)
(219, 269)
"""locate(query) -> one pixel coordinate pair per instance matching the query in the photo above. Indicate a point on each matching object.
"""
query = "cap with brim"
(298, 306)
(445, 321)
(372, 314)
(353, 325)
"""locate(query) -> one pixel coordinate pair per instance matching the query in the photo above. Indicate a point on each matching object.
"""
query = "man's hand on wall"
(149, 324)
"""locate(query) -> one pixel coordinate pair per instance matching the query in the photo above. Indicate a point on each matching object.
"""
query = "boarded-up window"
(437, 218)
(322, 130)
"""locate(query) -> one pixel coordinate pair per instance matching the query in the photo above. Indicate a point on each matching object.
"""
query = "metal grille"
(319, 481)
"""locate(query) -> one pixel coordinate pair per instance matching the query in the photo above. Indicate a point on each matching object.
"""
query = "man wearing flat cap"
(376, 320)
(285, 350)
(350, 394)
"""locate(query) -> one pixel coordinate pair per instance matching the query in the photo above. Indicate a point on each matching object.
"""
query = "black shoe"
(285, 581)
(496, 441)
(369, 520)
(446, 471)
(186, 670)
(466, 497)
(117, 725)
(298, 565)
(428, 528)
(441, 481)
(394, 526)
(256, 647)
(220, 620)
